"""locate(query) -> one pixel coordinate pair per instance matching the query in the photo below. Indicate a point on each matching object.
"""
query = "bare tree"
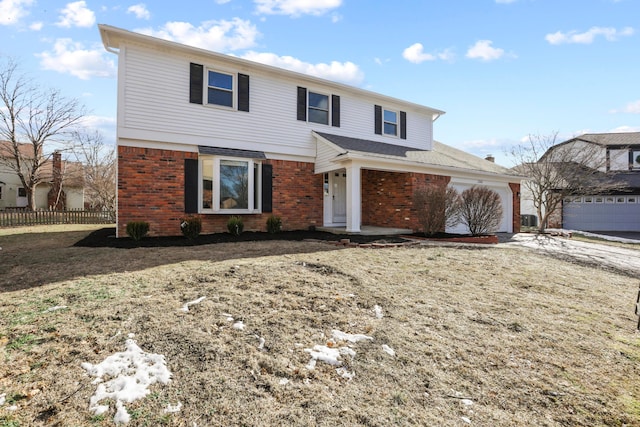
(30, 117)
(436, 207)
(556, 171)
(99, 166)
(480, 210)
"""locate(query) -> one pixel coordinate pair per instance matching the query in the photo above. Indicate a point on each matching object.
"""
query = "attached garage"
(506, 196)
(602, 213)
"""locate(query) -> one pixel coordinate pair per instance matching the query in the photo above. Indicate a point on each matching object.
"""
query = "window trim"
(254, 179)
(396, 123)
(309, 107)
(234, 89)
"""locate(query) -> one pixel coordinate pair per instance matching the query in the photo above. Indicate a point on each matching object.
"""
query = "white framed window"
(632, 199)
(390, 122)
(577, 200)
(598, 199)
(229, 185)
(636, 159)
(588, 199)
(318, 108)
(220, 88)
(609, 199)
(620, 199)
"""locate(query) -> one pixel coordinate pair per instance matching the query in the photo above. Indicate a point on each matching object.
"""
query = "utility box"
(528, 220)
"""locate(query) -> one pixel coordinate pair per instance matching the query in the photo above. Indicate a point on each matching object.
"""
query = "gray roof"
(623, 138)
(441, 155)
(233, 152)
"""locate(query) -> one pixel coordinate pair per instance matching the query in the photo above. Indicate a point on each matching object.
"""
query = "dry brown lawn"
(490, 336)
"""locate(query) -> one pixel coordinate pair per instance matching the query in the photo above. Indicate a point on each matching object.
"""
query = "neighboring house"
(618, 156)
(215, 135)
(62, 185)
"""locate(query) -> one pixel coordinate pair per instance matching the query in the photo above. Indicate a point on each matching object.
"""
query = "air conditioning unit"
(528, 220)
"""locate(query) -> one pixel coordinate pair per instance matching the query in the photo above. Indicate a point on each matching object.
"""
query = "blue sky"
(501, 69)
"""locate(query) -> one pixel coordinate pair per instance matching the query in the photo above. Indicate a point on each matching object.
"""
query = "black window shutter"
(196, 81)
(302, 104)
(243, 92)
(378, 119)
(403, 125)
(267, 188)
(191, 185)
(335, 111)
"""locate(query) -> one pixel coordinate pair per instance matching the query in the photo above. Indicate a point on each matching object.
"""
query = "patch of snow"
(388, 350)
(12, 408)
(466, 420)
(467, 402)
(186, 306)
(171, 409)
(3, 398)
(56, 308)
(325, 354)
(354, 338)
(129, 373)
(283, 381)
(239, 325)
(131, 335)
(344, 373)
(377, 310)
(262, 341)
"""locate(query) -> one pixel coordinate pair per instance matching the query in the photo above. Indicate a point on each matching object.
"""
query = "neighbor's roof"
(114, 38)
(72, 173)
(25, 149)
(606, 139)
(442, 155)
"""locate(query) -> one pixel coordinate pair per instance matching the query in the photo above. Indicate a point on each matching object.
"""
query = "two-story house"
(215, 135)
(618, 156)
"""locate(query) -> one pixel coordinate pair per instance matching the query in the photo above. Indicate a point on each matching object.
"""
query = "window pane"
(223, 81)
(390, 129)
(318, 101)
(220, 97)
(256, 185)
(207, 184)
(318, 116)
(234, 184)
(390, 116)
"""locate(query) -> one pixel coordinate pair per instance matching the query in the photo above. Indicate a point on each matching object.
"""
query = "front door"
(339, 197)
(21, 198)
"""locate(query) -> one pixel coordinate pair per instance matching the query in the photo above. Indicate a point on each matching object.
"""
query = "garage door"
(602, 213)
(506, 225)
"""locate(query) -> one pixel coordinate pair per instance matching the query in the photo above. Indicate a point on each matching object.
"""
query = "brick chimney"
(56, 199)
(490, 158)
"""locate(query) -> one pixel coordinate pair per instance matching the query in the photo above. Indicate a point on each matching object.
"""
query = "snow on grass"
(130, 374)
(354, 338)
(388, 350)
(332, 355)
(186, 306)
(172, 409)
(238, 325)
(377, 310)
(56, 308)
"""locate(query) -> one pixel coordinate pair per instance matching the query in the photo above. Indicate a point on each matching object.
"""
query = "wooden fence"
(12, 218)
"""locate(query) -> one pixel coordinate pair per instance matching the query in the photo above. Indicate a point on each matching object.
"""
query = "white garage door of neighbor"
(506, 225)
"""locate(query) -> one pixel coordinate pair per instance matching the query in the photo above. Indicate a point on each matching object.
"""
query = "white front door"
(339, 197)
(21, 198)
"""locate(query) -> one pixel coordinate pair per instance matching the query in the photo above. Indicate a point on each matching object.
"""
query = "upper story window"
(390, 125)
(220, 89)
(389, 122)
(318, 108)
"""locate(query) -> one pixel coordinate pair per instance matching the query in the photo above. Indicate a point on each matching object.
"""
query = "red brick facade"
(387, 197)
(151, 188)
(515, 191)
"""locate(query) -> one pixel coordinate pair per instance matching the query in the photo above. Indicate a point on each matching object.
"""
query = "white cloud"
(36, 26)
(140, 10)
(345, 72)
(219, 36)
(484, 51)
(71, 58)
(416, 54)
(12, 10)
(76, 14)
(296, 7)
(623, 129)
(222, 1)
(506, 1)
(610, 34)
(632, 107)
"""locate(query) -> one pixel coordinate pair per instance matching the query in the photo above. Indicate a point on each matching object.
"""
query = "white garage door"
(506, 225)
(602, 213)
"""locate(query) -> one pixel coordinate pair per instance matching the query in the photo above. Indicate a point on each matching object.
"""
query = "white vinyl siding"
(167, 116)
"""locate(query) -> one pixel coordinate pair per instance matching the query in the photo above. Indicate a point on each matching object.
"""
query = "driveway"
(621, 260)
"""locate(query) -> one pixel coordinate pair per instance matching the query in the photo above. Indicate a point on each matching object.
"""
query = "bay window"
(230, 185)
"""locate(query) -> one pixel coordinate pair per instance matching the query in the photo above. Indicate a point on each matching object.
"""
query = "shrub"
(274, 224)
(436, 207)
(480, 210)
(137, 230)
(191, 227)
(235, 225)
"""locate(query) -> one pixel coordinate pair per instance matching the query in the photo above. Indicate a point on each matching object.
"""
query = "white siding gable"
(154, 107)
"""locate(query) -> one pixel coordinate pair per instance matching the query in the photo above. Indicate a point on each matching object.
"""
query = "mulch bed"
(106, 238)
